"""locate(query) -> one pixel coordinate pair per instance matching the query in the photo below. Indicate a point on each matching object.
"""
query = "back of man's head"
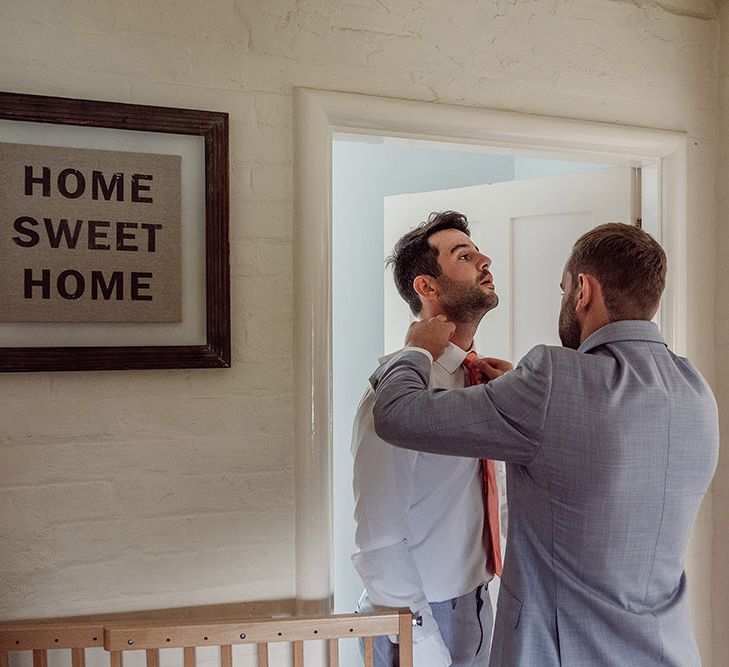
(629, 264)
(413, 256)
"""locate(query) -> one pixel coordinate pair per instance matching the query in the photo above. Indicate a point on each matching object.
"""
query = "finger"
(490, 372)
(497, 363)
(441, 318)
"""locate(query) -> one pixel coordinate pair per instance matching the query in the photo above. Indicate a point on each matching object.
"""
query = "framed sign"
(113, 236)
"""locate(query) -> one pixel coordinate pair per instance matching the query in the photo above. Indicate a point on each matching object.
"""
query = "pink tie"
(489, 479)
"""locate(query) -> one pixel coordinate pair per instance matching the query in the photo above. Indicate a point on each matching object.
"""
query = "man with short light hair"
(610, 444)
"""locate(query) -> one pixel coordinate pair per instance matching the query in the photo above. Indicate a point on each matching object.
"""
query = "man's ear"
(425, 288)
(586, 291)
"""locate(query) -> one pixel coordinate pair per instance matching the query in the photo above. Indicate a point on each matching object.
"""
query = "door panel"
(540, 242)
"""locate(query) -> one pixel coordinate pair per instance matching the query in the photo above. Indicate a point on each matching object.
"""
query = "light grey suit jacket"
(609, 451)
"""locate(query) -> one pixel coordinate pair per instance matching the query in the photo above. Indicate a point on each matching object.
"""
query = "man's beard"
(570, 332)
(465, 303)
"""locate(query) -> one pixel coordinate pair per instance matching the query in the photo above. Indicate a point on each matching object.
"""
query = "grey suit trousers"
(465, 624)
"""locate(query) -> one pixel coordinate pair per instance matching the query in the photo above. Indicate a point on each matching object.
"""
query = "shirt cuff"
(420, 349)
(431, 652)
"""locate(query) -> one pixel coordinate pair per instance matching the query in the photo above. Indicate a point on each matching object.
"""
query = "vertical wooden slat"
(152, 657)
(369, 652)
(226, 656)
(4, 662)
(78, 657)
(40, 658)
(406, 639)
(263, 655)
(299, 654)
(333, 653)
(189, 660)
(116, 659)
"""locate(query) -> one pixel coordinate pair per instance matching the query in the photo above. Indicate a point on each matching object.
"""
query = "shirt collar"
(451, 359)
(622, 331)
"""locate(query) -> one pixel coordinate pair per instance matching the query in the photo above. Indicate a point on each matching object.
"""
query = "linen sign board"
(89, 235)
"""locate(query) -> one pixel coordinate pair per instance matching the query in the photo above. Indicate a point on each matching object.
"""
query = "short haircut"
(413, 256)
(629, 264)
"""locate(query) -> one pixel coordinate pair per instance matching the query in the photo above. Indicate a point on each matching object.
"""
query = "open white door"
(527, 228)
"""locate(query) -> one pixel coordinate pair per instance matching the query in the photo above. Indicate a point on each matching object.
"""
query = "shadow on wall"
(203, 613)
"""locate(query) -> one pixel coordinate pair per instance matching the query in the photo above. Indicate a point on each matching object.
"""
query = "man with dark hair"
(425, 539)
(610, 444)
(414, 256)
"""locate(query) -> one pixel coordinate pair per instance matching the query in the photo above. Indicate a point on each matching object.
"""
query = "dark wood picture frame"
(213, 128)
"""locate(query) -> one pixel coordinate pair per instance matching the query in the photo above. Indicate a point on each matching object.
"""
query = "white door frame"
(319, 114)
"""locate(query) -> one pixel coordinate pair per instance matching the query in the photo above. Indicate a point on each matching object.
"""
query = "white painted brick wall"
(138, 490)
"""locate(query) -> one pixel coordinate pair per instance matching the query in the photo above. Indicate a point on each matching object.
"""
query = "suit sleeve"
(383, 492)
(502, 420)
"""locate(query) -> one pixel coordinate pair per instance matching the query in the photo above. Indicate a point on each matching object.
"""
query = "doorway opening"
(524, 212)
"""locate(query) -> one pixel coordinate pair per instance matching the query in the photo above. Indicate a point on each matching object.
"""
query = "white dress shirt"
(420, 520)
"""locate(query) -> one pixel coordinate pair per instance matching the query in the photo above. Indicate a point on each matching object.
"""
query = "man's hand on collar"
(432, 335)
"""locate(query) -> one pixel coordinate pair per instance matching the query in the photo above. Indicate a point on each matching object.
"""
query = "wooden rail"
(151, 635)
